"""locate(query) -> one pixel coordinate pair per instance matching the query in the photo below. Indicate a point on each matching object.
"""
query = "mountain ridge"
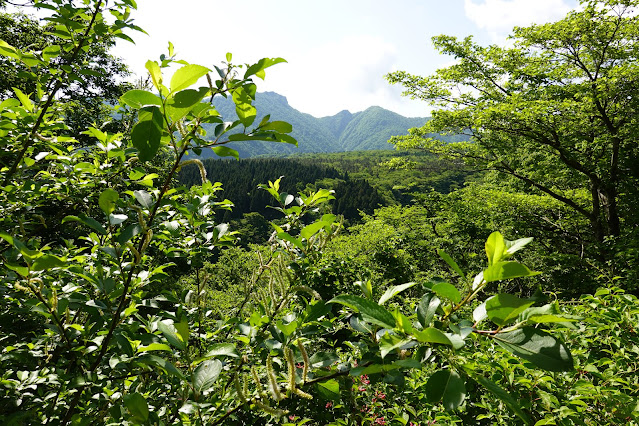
(345, 131)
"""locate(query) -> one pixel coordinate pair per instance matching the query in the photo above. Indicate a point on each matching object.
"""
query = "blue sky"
(337, 51)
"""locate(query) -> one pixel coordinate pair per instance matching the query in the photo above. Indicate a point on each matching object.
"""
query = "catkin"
(272, 379)
(302, 349)
(288, 353)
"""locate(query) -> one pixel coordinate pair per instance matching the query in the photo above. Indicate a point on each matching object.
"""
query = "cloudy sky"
(338, 51)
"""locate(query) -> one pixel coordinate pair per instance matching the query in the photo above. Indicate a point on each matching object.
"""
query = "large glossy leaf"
(506, 270)
(371, 311)
(446, 386)
(187, 76)
(393, 291)
(244, 109)
(222, 349)
(389, 342)
(147, 133)
(88, 221)
(504, 308)
(538, 347)
(206, 374)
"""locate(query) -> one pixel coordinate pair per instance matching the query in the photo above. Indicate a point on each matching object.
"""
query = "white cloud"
(500, 16)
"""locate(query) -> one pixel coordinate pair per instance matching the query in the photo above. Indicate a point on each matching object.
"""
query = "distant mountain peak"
(274, 96)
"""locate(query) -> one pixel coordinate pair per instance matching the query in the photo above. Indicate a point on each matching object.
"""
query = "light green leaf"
(370, 310)
(504, 308)
(22, 270)
(244, 109)
(140, 98)
(156, 73)
(259, 67)
(24, 99)
(447, 291)
(187, 76)
(538, 347)
(154, 347)
(495, 247)
(206, 374)
(507, 270)
(516, 245)
(432, 335)
(448, 387)
(393, 291)
(137, 406)
(309, 230)
(107, 200)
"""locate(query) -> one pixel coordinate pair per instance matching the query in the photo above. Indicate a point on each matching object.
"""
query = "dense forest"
(484, 273)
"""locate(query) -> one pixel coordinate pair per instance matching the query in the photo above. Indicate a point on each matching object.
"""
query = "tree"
(97, 83)
(557, 110)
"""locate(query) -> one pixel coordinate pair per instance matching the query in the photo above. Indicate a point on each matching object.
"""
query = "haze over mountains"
(345, 131)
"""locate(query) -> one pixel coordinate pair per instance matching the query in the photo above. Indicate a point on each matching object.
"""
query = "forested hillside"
(486, 278)
(366, 130)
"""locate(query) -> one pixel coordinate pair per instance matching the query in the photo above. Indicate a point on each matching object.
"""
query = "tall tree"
(557, 110)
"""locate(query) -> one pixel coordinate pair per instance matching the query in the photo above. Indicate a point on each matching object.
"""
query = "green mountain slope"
(344, 131)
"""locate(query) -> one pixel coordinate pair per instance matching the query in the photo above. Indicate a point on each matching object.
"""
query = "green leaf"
(144, 198)
(187, 76)
(309, 230)
(450, 262)
(538, 347)
(500, 393)
(447, 291)
(225, 151)
(22, 270)
(137, 406)
(370, 310)
(244, 109)
(154, 347)
(222, 349)
(107, 200)
(184, 102)
(432, 335)
(278, 126)
(504, 308)
(328, 390)
(147, 133)
(206, 374)
(24, 99)
(156, 74)
(448, 387)
(259, 67)
(427, 308)
(48, 261)
(514, 246)
(163, 364)
(507, 270)
(495, 247)
(393, 291)
(51, 52)
(140, 98)
(172, 335)
(390, 342)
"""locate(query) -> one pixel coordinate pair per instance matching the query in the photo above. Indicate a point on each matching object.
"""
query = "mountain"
(366, 130)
